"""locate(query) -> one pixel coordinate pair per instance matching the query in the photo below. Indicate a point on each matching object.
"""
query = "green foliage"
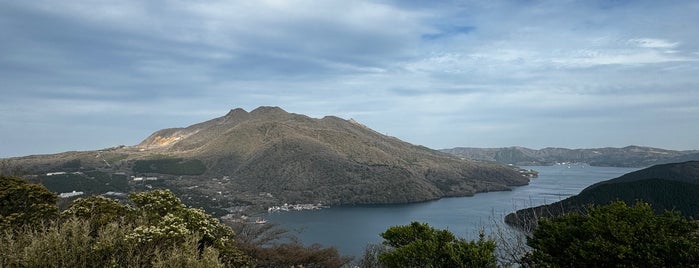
(90, 182)
(157, 203)
(615, 235)
(173, 166)
(72, 165)
(100, 211)
(660, 193)
(419, 245)
(69, 244)
(23, 203)
(665, 187)
(159, 231)
(168, 221)
(156, 231)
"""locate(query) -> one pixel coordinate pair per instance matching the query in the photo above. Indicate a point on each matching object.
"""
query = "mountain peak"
(236, 112)
(268, 110)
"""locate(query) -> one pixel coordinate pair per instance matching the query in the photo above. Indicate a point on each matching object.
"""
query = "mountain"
(630, 156)
(270, 157)
(673, 186)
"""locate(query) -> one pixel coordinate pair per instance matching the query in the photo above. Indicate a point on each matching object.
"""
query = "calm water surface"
(351, 228)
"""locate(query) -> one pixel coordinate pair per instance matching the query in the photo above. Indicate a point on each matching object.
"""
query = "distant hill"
(630, 156)
(672, 186)
(270, 157)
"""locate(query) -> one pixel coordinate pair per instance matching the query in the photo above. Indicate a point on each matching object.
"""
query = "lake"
(351, 228)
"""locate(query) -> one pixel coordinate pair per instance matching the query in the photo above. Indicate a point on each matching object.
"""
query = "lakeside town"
(296, 207)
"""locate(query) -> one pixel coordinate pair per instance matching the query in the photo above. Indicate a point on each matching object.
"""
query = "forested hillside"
(666, 187)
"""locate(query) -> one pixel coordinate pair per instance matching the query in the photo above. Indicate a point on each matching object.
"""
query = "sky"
(86, 75)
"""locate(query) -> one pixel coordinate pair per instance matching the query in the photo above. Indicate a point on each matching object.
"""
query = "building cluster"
(290, 207)
(63, 173)
(70, 194)
(144, 178)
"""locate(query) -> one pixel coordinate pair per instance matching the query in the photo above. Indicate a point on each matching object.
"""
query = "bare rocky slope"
(269, 156)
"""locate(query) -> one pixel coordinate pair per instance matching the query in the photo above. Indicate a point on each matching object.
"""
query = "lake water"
(351, 228)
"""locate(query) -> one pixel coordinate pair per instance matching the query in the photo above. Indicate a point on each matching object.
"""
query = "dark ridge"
(672, 186)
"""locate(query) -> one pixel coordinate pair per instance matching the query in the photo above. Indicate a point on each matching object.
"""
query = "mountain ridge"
(269, 157)
(629, 156)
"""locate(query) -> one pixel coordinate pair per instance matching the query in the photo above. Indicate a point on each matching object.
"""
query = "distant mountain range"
(630, 156)
(270, 157)
(673, 186)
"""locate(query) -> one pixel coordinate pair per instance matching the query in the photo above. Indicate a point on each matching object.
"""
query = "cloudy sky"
(83, 75)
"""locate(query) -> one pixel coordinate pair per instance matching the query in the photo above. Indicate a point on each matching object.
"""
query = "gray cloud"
(452, 73)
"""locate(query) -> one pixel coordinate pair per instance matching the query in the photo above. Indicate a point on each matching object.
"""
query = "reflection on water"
(351, 228)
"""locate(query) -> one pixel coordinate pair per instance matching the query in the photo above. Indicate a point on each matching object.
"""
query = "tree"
(370, 258)
(100, 211)
(23, 203)
(168, 221)
(158, 221)
(419, 245)
(615, 235)
(262, 242)
(9, 169)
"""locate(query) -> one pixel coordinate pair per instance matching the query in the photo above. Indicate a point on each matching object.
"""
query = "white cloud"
(587, 58)
(653, 43)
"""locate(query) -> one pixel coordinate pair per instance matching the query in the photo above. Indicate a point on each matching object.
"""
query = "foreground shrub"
(615, 235)
(370, 258)
(295, 255)
(23, 203)
(158, 231)
(70, 244)
(419, 245)
(261, 243)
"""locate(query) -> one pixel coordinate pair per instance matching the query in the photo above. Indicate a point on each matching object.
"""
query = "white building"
(70, 194)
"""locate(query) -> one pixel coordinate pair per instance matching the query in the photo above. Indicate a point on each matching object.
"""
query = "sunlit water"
(351, 228)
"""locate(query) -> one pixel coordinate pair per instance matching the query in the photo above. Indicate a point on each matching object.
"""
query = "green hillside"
(672, 186)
